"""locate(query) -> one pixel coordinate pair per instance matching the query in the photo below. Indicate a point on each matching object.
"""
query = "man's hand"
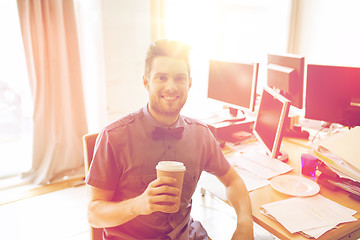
(159, 196)
(244, 230)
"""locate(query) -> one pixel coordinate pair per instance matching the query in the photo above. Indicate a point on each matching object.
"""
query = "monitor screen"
(233, 83)
(333, 94)
(285, 74)
(269, 123)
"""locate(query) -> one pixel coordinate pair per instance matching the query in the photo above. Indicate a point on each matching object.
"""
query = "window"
(230, 30)
(15, 98)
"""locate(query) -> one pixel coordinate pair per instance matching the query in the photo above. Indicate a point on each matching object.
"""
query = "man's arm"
(238, 197)
(103, 212)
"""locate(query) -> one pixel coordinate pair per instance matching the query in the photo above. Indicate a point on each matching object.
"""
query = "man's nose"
(170, 84)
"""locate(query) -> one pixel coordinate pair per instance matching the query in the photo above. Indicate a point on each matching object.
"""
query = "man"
(126, 197)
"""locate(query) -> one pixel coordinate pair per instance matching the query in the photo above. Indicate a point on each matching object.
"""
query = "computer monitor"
(234, 84)
(285, 74)
(333, 94)
(269, 123)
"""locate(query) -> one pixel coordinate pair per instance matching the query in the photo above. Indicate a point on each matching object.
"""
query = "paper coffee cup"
(172, 169)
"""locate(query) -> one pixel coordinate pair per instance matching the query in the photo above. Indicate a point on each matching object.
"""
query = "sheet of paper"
(310, 233)
(309, 213)
(253, 167)
(246, 147)
(213, 185)
(317, 232)
(258, 164)
(252, 182)
(264, 160)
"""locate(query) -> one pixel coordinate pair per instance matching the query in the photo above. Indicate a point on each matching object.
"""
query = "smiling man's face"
(168, 85)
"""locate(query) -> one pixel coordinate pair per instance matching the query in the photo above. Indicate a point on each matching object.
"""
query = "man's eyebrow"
(159, 73)
(178, 74)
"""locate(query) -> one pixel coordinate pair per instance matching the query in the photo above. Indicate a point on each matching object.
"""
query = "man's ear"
(146, 82)
(190, 82)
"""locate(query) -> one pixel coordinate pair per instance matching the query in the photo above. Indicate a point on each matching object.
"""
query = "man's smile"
(169, 98)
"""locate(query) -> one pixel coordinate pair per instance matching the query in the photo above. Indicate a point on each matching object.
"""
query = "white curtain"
(91, 46)
(52, 54)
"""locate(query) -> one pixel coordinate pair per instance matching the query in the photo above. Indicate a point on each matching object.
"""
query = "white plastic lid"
(170, 166)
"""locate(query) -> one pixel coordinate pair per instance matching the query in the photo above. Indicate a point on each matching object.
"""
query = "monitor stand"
(282, 156)
(235, 116)
(230, 124)
(294, 131)
(326, 124)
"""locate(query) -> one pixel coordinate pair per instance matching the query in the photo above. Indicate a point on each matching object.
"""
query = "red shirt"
(124, 161)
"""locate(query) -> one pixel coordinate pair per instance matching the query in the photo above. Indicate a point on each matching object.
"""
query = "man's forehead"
(165, 64)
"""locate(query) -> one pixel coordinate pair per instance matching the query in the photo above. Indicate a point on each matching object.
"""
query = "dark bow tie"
(159, 133)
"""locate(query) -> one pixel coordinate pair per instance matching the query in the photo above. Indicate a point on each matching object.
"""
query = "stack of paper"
(342, 152)
(311, 216)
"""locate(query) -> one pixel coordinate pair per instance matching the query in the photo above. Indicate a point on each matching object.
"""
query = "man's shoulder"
(190, 120)
(124, 121)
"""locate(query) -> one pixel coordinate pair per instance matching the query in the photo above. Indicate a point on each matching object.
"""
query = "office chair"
(88, 144)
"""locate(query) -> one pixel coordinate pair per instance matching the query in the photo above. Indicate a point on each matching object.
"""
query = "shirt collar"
(154, 123)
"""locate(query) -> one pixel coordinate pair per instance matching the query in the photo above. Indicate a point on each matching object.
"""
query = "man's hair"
(167, 48)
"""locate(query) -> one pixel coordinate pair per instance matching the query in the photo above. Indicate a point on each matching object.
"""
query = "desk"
(267, 194)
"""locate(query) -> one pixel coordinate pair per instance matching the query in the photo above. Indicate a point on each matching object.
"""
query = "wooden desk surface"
(267, 194)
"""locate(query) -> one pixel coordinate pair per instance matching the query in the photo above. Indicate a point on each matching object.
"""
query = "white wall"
(126, 36)
(328, 32)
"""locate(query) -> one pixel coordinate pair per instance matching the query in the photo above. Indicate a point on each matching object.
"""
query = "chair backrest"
(88, 144)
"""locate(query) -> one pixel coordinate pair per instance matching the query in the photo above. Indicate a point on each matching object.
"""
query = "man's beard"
(162, 110)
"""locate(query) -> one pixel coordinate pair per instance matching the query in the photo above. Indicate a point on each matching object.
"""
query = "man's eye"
(180, 79)
(162, 78)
